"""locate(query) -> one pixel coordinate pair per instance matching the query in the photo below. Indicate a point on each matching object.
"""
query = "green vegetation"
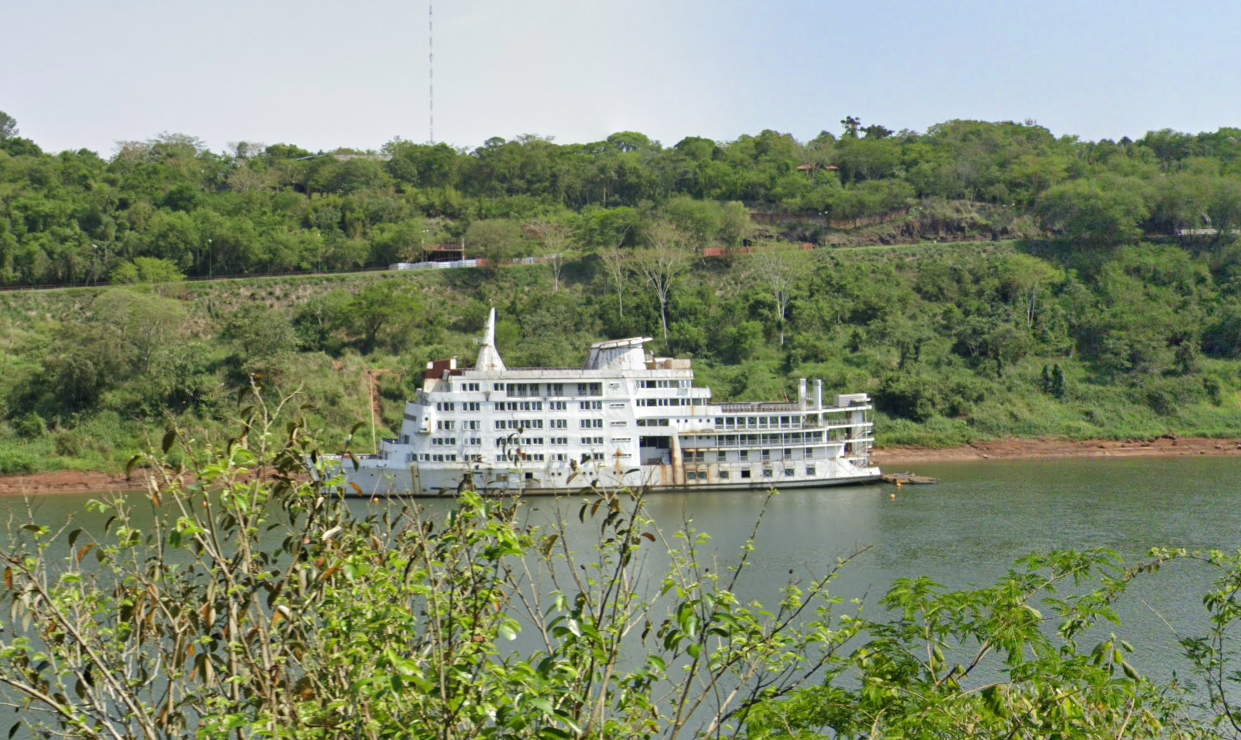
(237, 598)
(76, 217)
(1065, 306)
(955, 342)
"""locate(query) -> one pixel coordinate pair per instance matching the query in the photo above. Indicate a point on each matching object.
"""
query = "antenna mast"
(431, 65)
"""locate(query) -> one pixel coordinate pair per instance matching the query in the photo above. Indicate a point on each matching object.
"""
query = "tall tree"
(778, 270)
(619, 265)
(662, 263)
(8, 126)
(144, 320)
(557, 248)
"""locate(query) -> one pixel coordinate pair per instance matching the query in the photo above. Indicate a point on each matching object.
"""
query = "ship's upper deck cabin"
(620, 377)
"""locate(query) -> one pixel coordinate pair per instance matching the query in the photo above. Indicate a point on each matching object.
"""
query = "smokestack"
(801, 394)
(818, 395)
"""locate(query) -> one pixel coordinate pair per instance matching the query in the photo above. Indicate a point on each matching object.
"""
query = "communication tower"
(431, 66)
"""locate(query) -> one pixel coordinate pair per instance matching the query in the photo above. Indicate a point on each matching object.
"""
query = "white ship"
(625, 419)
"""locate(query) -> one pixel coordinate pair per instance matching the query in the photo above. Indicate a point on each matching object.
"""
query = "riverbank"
(71, 481)
(66, 481)
(1036, 449)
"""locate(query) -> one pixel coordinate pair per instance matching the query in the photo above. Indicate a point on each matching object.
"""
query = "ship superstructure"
(624, 419)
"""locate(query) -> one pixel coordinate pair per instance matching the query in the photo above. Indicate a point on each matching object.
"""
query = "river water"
(968, 530)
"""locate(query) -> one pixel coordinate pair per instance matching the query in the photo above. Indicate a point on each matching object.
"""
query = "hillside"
(77, 217)
(956, 342)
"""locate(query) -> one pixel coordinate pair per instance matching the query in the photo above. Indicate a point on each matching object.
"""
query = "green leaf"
(543, 705)
(170, 436)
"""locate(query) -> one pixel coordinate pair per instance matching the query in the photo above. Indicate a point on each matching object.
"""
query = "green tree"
(8, 126)
(1096, 213)
(84, 362)
(661, 265)
(147, 322)
(494, 240)
(379, 306)
(147, 270)
(263, 339)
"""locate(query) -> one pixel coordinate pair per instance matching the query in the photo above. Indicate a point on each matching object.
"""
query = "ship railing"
(743, 408)
(793, 428)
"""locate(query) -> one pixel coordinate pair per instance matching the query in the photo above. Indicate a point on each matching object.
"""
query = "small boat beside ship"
(624, 419)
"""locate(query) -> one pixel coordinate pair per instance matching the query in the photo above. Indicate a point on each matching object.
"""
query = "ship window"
(721, 456)
(788, 471)
(590, 405)
(766, 455)
(591, 423)
(788, 453)
(745, 474)
(744, 455)
(811, 470)
(766, 473)
(442, 406)
(559, 423)
(809, 452)
(529, 476)
(467, 387)
(555, 389)
(723, 475)
(557, 405)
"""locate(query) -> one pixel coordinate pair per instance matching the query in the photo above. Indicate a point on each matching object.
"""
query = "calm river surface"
(968, 530)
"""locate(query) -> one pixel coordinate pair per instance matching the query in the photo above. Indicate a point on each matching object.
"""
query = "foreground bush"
(479, 625)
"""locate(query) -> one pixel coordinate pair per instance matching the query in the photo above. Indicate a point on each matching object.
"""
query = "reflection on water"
(965, 531)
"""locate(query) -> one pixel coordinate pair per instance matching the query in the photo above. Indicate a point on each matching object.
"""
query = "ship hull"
(378, 482)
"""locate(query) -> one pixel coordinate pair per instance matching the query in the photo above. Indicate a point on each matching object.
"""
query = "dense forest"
(74, 217)
(1036, 286)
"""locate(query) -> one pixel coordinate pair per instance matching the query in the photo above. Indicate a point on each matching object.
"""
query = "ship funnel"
(818, 395)
(801, 394)
(488, 357)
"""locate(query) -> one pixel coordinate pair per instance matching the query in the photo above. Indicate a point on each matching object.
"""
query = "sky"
(88, 73)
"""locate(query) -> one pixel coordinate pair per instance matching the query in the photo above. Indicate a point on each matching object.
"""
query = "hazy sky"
(87, 73)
